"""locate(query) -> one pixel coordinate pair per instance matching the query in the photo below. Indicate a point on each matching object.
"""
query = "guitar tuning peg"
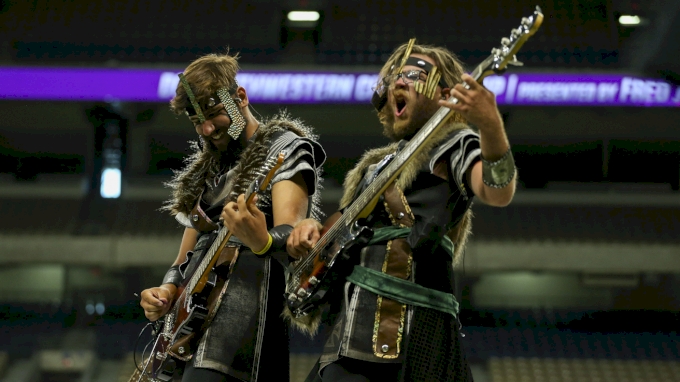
(515, 62)
(505, 41)
(526, 21)
(516, 33)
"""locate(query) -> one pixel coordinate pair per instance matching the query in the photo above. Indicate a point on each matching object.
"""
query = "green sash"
(403, 291)
(385, 234)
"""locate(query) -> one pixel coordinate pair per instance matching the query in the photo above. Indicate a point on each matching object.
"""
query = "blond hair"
(205, 75)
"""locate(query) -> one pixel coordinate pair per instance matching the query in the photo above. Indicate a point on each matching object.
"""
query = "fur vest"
(204, 164)
(458, 234)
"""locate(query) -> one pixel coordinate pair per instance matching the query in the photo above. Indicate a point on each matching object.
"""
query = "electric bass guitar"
(177, 332)
(331, 257)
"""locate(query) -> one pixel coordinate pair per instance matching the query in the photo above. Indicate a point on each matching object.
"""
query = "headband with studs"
(434, 77)
(379, 98)
(192, 98)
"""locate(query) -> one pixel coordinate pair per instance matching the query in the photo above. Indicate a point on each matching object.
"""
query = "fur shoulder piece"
(408, 174)
(204, 164)
(458, 234)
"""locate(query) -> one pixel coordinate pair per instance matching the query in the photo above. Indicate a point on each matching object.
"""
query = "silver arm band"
(499, 174)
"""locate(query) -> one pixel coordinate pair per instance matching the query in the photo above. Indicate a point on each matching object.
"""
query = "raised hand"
(476, 103)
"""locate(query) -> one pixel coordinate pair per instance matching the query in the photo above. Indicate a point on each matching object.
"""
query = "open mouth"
(400, 106)
(217, 136)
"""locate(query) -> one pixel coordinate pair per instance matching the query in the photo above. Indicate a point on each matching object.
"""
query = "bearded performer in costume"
(247, 334)
(420, 225)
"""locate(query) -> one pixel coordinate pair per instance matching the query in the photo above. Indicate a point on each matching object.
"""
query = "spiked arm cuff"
(173, 276)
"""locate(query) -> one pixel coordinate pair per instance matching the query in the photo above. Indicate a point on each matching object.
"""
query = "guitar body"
(333, 263)
(179, 331)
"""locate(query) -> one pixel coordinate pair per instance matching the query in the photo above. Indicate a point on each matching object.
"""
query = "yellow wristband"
(266, 247)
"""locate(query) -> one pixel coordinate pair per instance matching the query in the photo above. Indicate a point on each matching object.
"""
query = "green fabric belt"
(403, 291)
(384, 234)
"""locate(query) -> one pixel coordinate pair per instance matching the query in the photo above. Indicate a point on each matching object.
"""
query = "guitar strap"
(370, 175)
(388, 328)
(200, 221)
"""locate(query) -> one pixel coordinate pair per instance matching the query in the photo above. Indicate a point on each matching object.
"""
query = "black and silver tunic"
(431, 349)
(247, 332)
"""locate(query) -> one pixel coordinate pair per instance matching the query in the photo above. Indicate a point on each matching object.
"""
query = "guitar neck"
(215, 249)
(479, 73)
(258, 184)
(360, 206)
(209, 259)
(496, 62)
(398, 163)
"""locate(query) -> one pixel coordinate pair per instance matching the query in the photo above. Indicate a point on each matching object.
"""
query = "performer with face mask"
(247, 335)
(383, 330)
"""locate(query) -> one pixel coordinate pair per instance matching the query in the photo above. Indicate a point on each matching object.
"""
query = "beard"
(420, 112)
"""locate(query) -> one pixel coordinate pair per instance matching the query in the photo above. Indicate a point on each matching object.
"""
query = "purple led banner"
(153, 85)
(79, 84)
(292, 88)
(582, 90)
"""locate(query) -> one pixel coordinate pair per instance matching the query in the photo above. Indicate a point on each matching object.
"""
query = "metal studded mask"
(238, 123)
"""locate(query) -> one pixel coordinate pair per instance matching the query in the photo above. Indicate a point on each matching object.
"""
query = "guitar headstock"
(267, 173)
(504, 55)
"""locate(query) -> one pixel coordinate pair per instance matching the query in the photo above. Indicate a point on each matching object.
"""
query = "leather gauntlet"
(173, 276)
(280, 235)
